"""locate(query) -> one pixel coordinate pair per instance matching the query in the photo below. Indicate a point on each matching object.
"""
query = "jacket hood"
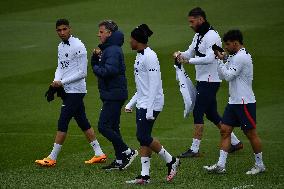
(116, 38)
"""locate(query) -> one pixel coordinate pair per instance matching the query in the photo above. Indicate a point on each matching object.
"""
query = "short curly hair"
(62, 21)
(109, 25)
(233, 35)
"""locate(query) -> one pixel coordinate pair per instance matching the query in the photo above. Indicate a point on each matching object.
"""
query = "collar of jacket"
(204, 28)
(141, 51)
(103, 46)
(66, 42)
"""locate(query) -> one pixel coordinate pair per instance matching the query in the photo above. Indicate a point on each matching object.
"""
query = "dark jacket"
(110, 69)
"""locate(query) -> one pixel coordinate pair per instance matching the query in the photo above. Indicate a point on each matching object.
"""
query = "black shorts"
(206, 102)
(144, 127)
(73, 106)
(240, 115)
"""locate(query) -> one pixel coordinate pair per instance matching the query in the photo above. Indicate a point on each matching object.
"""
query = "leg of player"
(144, 177)
(148, 144)
(193, 151)
(225, 144)
(236, 144)
(172, 162)
(65, 116)
(256, 146)
(50, 161)
(99, 157)
(146, 154)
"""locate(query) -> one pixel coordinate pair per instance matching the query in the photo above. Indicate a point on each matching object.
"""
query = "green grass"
(28, 52)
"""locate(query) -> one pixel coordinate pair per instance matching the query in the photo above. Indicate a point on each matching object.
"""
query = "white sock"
(222, 158)
(119, 161)
(127, 152)
(145, 162)
(165, 155)
(234, 139)
(97, 149)
(258, 159)
(55, 151)
(195, 145)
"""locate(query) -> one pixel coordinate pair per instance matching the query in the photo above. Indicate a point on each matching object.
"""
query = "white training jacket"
(72, 65)
(149, 94)
(187, 89)
(238, 70)
(205, 67)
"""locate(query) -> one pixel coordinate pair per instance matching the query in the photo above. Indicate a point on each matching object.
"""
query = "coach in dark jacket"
(108, 65)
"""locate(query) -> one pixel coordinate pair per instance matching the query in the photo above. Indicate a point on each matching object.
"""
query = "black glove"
(217, 48)
(177, 63)
(61, 92)
(49, 94)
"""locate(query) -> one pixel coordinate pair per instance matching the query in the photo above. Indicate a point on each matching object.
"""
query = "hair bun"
(145, 29)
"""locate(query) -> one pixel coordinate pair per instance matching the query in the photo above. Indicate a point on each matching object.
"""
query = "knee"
(62, 126)
(84, 126)
(214, 118)
(144, 140)
(198, 117)
(225, 132)
(251, 134)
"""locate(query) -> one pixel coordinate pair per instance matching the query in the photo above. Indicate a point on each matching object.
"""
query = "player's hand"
(97, 51)
(176, 54)
(56, 84)
(128, 110)
(220, 55)
(182, 60)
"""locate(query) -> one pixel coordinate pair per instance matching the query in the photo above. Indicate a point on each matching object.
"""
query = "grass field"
(28, 58)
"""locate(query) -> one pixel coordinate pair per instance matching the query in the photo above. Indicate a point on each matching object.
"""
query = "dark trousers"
(73, 106)
(206, 102)
(144, 127)
(109, 127)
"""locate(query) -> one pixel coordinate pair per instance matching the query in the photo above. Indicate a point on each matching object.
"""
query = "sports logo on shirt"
(64, 64)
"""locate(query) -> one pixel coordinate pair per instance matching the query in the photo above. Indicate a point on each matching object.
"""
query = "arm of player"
(58, 73)
(154, 77)
(189, 53)
(230, 72)
(210, 56)
(131, 103)
(81, 73)
(109, 68)
(208, 59)
(220, 73)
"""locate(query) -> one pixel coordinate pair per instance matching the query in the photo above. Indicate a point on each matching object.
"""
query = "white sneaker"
(140, 180)
(256, 169)
(215, 169)
(172, 169)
